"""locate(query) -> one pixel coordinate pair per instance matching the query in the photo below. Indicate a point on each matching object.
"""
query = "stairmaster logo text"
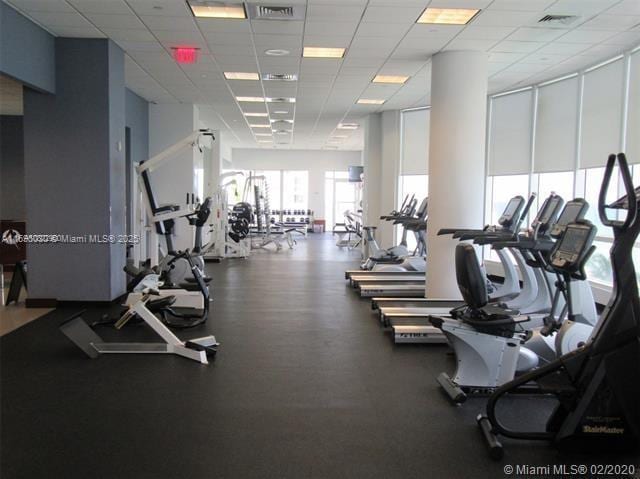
(11, 237)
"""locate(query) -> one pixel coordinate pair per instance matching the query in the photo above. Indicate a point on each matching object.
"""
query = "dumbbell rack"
(282, 216)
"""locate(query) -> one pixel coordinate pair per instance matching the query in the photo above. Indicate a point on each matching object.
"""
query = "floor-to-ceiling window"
(556, 137)
(340, 196)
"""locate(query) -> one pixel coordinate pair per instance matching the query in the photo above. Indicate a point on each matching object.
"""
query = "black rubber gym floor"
(306, 384)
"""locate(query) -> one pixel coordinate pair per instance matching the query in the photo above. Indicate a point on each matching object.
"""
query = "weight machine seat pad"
(155, 305)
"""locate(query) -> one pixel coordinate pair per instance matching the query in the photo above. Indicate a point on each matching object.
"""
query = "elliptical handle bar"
(526, 210)
(632, 200)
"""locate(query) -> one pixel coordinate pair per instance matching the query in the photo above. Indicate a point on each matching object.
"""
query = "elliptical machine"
(597, 386)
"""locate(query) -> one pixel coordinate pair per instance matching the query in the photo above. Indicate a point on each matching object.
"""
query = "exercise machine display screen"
(572, 245)
(515, 203)
(570, 214)
(549, 210)
(512, 207)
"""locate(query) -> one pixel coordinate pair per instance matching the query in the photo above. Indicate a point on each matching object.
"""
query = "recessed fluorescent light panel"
(257, 115)
(339, 137)
(280, 100)
(277, 52)
(260, 126)
(280, 112)
(262, 134)
(448, 16)
(279, 77)
(217, 10)
(348, 126)
(368, 101)
(241, 76)
(323, 52)
(395, 79)
(250, 99)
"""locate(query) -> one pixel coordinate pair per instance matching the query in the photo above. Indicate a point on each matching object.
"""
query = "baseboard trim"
(41, 303)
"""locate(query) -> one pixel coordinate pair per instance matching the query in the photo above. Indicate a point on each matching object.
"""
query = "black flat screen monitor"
(355, 174)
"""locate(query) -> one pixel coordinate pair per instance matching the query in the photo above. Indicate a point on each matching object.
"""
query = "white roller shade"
(556, 125)
(601, 114)
(633, 120)
(510, 134)
(415, 142)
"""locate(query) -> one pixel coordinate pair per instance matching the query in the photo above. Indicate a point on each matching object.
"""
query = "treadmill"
(508, 225)
(411, 220)
(414, 321)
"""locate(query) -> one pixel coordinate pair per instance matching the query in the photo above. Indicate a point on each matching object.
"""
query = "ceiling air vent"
(276, 12)
(559, 20)
(279, 77)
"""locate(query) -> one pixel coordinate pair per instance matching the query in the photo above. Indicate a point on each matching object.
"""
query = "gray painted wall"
(74, 173)
(137, 118)
(12, 200)
(27, 52)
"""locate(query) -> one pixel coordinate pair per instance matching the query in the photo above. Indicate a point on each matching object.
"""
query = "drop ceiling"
(381, 37)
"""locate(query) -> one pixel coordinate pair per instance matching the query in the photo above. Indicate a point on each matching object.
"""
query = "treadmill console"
(573, 211)
(511, 210)
(573, 247)
(548, 211)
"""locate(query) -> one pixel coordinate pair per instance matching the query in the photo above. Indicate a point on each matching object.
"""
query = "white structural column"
(456, 160)
(389, 173)
(381, 160)
(372, 161)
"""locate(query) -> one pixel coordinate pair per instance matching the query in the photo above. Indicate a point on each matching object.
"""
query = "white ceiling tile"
(129, 46)
(625, 7)
(527, 34)
(52, 6)
(214, 38)
(77, 32)
(116, 7)
(397, 14)
(509, 46)
(156, 22)
(170, 8)
(504, 18)
(221, 25)
(286, 42)
(434, 31)
(60, 19)
(505, 57)
(333, 28)
(587, 36)
(413, 54)
(579, 7)
(327, 41)
(244, 50)
(480, 4)
(612, 22)
(521, 67)
(545, 59)
(474, 32)
(521, 5)
(630, 38)
(602, 52)
(382, 29)
(139, 36)
(102, 20)
(474, 45)
(189, 37)
(271, 27)
(559, 48)
(318, 12)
